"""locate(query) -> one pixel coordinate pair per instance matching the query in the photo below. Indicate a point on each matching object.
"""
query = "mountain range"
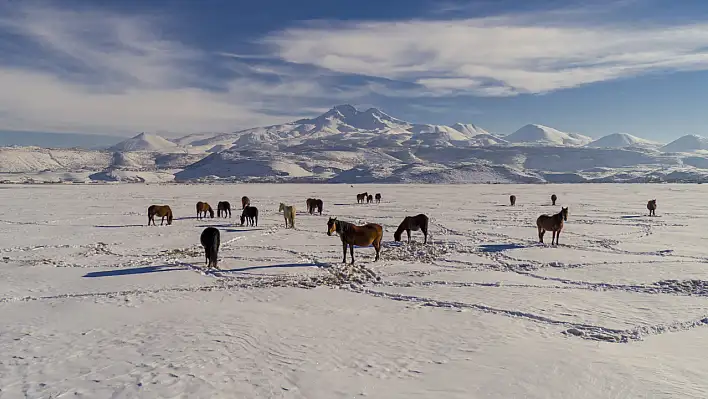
(347, 145)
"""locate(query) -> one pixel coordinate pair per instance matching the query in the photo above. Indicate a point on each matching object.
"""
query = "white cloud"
(496, 56)
(97, 72)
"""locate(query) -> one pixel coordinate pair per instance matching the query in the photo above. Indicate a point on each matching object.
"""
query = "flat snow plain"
(94, 304)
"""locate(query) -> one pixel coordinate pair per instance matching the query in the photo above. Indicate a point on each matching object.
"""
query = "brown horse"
(651, 205)
(512, 198)
(319, 204)
(245, 201)
(369, 199)
(163, 211)
(552, 223)
(223, 207)
(554, 199)
(202, 209)
(351, 235)
(415, 223)
(378, 198)
(361, 198)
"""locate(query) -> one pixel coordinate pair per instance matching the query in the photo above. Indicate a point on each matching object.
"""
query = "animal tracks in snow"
(472, 248)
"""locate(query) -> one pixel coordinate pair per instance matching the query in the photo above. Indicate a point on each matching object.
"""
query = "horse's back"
(209, 236)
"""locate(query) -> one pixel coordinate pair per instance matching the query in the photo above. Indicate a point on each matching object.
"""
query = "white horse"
(288, 213)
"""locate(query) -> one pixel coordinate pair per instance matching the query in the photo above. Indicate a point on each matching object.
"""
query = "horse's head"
(397, 235)
(211, 212)
(331, 226)
(281, 207)
(564, 211)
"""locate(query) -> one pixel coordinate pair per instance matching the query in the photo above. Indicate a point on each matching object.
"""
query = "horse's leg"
(540, 234)
(351, 250)
(344, 248)
(409, 236)
(554, 237)
(558, 236)
(377, 247)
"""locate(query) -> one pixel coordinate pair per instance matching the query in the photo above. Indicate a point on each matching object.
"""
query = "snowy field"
(94, 304)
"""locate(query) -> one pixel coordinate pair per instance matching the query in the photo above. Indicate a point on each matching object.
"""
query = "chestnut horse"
(202, 209)
(414, 223)
(163, 211)
(351, 235)
(552, 223)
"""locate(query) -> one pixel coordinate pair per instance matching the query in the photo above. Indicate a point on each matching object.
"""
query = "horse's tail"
(255, 216)
(214, 252)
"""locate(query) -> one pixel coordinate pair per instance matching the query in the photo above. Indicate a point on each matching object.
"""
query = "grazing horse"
(163, 211)
(369, 199)
(554, 199)
(361, 198)
(512, 198)
(552, 223)
(651, 205)
(319, 205)
(249, 214)
(351, 235)
(223, 207)
(310, 205)
(415, 223)
(288, 214)
(378, 198)
(245, 201)
(202, 209)
(211, 240)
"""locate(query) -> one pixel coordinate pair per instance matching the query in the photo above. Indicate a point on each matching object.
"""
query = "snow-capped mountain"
(345, 145)
(146, 142)
(543, 135)
(687, 143)
(622, 140)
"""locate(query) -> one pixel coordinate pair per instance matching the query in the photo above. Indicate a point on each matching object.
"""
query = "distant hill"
(687, 143)
(622, 140)
(544, 135)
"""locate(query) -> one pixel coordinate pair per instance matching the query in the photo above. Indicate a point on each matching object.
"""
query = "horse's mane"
(343, 227)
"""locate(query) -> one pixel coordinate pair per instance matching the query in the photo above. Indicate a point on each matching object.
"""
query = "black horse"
(249, 214)
(415, 223)
(223, 207)
(211, 240)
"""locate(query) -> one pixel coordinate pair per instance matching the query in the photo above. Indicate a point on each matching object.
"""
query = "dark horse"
(211, 240)
(554, 199)
(512, 198)
(351, 235)
(163, 211)
(651, 205)
(245, 201)
(313, 203)
(414, 223)
(310, 205)
(552, 223)
(223, 207)
(249, 214)
(369, 199)
(378, 198)
(361, 198)
(202, 209)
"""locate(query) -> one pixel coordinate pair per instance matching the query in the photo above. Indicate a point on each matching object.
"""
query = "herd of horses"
(370, 234)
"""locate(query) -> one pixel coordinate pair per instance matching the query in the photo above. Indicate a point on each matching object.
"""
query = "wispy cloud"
(500, 55)
(100, 72)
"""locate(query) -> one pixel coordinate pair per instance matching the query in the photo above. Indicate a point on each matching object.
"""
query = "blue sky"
(183, 66)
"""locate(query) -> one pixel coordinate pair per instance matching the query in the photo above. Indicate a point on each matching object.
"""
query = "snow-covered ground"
(94, 304)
